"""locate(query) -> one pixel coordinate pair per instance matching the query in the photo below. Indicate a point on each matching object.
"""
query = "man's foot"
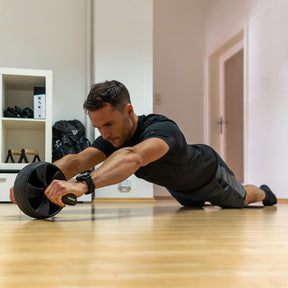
(270, 198)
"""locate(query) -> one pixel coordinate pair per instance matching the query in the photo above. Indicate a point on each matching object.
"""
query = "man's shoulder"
(152, 119)
(159, 126)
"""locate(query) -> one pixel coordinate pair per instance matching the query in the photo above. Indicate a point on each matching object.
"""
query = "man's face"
(114, 126)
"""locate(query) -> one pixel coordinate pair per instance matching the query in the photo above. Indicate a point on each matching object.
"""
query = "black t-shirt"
(183, 168)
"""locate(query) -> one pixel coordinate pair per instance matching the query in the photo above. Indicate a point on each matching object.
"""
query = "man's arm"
(73, 164)
(116, 168)
(124, 162)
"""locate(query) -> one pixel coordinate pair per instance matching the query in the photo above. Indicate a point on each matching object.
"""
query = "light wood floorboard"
(145, 245)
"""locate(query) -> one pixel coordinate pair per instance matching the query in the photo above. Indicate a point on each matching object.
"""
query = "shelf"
(12, 166)
(23, 123)
(17, 89)
(22, 82)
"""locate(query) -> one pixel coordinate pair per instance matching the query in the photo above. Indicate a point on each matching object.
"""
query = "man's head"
(112, 92)
(110, 111)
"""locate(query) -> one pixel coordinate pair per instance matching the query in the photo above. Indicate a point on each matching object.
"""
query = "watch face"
(85, 175)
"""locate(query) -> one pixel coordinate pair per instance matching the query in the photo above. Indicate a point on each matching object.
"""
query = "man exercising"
(153, 148)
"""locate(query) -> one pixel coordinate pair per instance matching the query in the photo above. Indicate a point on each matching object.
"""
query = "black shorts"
(224, 191)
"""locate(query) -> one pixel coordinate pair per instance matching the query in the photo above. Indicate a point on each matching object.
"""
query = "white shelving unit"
(17, 89)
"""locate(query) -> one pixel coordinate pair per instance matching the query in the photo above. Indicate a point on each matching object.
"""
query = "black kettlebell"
(29, 188)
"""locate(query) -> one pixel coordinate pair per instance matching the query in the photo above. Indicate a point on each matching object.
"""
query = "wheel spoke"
(44, 207)
(58, 174)
(41, 173)
(33, 191)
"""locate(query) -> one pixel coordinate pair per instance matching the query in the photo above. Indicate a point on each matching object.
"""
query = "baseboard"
(163, 197)
(117, 200)
(282, 200)
(149, 200)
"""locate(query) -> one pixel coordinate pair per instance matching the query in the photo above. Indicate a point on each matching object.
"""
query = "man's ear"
(129, 109)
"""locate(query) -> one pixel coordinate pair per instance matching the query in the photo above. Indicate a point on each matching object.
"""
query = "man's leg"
(255, 194)
(250, 193)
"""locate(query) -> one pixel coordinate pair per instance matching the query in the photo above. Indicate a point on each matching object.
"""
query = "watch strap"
(87, 178)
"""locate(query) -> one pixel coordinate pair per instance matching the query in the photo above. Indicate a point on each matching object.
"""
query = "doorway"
(225, 107)
(231, 118)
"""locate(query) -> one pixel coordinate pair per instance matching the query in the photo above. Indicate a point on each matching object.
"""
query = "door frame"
(209, 90)
(222, 97)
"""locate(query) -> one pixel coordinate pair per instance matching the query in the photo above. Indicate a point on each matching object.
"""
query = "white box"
(39, 106)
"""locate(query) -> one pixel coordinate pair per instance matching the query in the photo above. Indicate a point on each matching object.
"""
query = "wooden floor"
(145, 245)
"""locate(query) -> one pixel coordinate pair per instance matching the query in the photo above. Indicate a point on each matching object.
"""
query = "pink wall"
(178, 63)
(224, 17)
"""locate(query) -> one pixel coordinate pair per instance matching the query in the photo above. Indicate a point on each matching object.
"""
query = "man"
(153, 148)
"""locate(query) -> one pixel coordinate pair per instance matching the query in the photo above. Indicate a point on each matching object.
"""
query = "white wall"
(51, 35)
(268, 85)
(123, 47)
(123, 41)
(268, 101)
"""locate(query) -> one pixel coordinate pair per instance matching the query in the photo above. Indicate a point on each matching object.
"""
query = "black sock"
(270, 198)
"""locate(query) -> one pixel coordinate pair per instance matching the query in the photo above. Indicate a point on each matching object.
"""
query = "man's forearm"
(69, 165)
(115, 169)
(73, 164)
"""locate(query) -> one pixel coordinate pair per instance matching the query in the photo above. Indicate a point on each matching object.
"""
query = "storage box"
(39, 102)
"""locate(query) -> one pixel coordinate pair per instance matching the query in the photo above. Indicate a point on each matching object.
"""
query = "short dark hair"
(112, 92)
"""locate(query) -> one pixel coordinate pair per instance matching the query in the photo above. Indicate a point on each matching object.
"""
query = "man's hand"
(58, 188)
(12, 195)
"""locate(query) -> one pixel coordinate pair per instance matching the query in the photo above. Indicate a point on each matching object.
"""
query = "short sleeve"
(103, 145)
(167, 131)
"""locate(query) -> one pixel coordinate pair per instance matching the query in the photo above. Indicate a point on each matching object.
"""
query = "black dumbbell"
(29, 188)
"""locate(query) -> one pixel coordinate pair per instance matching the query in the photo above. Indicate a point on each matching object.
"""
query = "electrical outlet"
(157, 99)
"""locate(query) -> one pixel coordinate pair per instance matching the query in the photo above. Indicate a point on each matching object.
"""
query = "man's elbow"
(133, 157)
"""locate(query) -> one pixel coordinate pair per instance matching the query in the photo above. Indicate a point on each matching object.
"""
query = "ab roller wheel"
(29, 188)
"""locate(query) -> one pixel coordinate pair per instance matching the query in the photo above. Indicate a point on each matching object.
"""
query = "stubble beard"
(125, 136)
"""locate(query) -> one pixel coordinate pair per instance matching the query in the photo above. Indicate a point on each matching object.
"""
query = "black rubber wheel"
(29, 188)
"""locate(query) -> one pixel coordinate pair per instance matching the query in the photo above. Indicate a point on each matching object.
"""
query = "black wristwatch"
(87, 178)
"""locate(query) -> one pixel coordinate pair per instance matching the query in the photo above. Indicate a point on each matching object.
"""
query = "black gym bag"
(68, 138)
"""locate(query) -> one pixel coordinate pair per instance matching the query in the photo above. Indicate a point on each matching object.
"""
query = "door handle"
(221, 122)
